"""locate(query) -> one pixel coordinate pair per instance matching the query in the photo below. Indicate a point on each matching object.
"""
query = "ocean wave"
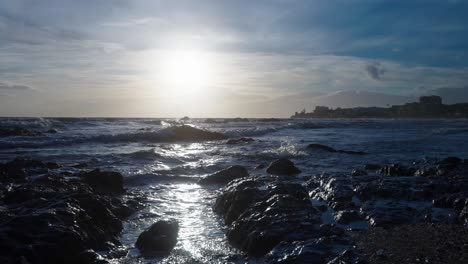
(449, 131)
(146, 154)
(169, 134)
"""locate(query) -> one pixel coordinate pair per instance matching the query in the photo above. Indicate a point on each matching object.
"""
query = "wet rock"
(63, 217)
(358, 172)
(262, 212)
(320, 147)
(324, 148)
(17, 169)
(282, 167)
(426, 172)
(239, 141)
(188, 133)
(310, 251)
(397, 170)
(451, 161)
(159, 239)
(80, 165)
(23, 132)
(260, 166)
(336, 191)
(52, 131)
(347, 216)
(107, 182)
(90, 257)
(225, 176)
(373, 167)
(391, 214)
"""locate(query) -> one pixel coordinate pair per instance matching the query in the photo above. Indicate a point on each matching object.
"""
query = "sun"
(187, 70)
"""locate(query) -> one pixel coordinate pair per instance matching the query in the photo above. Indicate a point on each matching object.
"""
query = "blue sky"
(256, 58)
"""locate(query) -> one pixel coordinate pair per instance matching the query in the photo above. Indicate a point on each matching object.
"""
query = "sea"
(166, 173)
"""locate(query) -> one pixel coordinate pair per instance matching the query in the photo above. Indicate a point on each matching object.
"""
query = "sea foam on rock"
(225, 176)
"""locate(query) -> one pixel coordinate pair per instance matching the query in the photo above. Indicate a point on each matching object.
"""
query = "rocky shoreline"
(57, 214)
(52, 215)
(346, 218)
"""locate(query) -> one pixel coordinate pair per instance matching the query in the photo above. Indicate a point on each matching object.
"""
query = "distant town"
(427, 107)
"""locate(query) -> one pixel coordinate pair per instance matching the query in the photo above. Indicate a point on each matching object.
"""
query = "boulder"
(282, 167)
(106, 182)
(159, 239)
(225, 176)
(262, 212)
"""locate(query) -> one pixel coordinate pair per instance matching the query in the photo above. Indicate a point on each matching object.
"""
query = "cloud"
(14, 87)
(375, 70)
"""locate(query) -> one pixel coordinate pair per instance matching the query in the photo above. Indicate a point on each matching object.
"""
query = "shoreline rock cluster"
(288, 220)
(56, 218)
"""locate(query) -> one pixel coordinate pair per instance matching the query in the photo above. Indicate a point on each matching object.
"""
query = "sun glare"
(186, 70)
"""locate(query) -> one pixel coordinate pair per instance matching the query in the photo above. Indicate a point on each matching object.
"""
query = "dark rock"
(347, 216)
(80, 165)
(52, 131)
(310, 251)
(391, 214)
(51, 219)
(320, 147)
(107, 182)
(239, 141)
(23, 132)
(90, 257)
(283, 167)
(17, 169)
(372, 167)
(260, 166)
(261, 212)
(324, 148)
(451, 161)
(358, 172)
(159, 239)
(188, 133)
(426, 172)
(225, 176)
(397, 170)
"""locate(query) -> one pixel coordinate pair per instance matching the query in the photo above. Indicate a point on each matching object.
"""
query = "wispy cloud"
(14, 87)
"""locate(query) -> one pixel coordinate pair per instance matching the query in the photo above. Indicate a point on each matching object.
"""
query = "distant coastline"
(427, 107)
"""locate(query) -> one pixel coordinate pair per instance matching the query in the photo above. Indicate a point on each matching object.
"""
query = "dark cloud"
(14, 87)
(375, 70)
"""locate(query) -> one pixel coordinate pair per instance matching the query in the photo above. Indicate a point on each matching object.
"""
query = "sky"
(152, 58)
